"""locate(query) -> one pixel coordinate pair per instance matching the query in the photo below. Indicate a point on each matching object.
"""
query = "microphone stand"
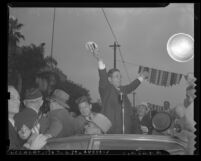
(122, 108)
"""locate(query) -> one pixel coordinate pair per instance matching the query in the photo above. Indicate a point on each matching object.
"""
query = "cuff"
(101, 65)
(140, 78)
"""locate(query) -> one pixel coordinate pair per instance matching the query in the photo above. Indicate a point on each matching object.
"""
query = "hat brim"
(34, 100)
(60, 102)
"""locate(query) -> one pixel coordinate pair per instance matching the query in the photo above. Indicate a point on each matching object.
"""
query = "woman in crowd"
(30, 120)
(142, 121)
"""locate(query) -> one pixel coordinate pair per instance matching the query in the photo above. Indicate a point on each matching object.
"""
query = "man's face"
(24, 132)
(52, 80)
(166, 106)
(180, 111)
(191, 93)
(141, 110)
(115, 79)
(14, 101)
(42, 84)
(85, 108)
(54, 105)
(36, 104)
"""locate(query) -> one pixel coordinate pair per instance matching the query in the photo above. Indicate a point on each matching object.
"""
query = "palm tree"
(51, 62)
(15, 34)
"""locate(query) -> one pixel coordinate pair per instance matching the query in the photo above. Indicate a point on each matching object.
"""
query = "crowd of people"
(37, 122)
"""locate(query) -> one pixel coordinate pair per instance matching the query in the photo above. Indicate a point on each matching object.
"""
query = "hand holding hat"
(102, 122)
(93, 48)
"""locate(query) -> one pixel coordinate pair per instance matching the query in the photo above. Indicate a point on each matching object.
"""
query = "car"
(168, 144)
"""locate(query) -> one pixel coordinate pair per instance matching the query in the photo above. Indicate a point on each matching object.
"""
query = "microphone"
(121, 97)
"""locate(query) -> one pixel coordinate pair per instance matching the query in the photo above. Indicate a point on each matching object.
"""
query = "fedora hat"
(33, 94)
(60, 97)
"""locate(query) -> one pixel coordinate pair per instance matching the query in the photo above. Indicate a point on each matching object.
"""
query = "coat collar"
(12, 121)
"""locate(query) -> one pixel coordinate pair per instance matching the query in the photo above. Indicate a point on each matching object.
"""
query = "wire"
(52, 37)
(109, 25)
(123, 62)
(122, 59)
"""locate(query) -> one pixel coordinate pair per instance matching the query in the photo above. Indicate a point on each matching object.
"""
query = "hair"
(166, 102)
(111, 71)
(83, 99)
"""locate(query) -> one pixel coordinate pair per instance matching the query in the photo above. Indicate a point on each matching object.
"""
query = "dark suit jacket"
(62, 124)
(112, 106)
(14, 139)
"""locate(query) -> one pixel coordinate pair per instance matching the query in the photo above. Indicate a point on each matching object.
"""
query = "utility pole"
(115, 46)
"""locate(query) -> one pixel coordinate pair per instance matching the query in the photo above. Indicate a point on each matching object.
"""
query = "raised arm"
(103, 78)
(134, 84)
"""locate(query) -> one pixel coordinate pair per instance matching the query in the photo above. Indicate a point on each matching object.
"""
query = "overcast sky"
(142, 33)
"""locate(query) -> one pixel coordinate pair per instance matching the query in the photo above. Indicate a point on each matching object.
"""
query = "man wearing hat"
(61, 122)
(95, 123)
(27, 121)
(142, 121)
(35, 143)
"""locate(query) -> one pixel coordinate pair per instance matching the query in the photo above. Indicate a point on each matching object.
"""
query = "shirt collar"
(34, 109)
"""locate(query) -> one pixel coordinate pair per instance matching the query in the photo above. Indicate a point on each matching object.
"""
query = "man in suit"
(61, 122)
(13, 108)
(111, 90)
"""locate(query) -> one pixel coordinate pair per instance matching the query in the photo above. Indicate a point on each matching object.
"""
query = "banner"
(161, 78)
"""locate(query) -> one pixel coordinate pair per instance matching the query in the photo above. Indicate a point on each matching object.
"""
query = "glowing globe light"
(180, 47)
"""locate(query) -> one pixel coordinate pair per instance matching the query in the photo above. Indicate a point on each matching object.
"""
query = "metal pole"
(52, 37)
(122, 108)
(123, 118)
